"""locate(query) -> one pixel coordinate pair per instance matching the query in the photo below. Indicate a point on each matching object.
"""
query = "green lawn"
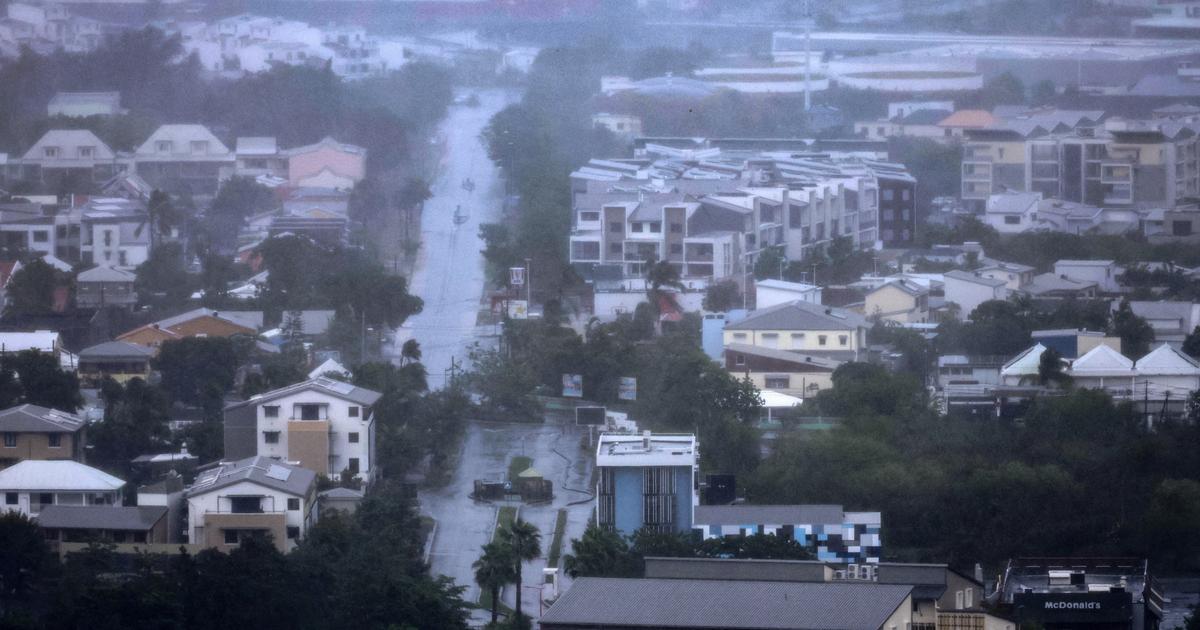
(560, 528)
(517, 465)
(508, 514)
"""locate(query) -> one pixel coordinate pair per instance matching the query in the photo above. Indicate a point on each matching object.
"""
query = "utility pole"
(528, 286)
(453, 370)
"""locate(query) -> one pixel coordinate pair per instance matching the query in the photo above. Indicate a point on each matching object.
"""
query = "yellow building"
(898, 301)
(802, 327)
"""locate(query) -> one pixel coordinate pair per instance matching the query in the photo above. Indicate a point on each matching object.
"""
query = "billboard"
(573, 385)
(590, 415)
(518, 309)
(627, 389)
(1048, 608)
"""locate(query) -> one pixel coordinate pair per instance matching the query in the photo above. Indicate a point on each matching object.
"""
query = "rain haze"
(603, 314)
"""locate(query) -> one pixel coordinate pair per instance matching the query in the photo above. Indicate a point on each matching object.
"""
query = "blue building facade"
(646, 482)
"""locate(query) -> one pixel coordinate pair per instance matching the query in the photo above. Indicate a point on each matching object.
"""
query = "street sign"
(573, 385)
(593, 416)
(516, 276)
(518, 309)
(627, 389)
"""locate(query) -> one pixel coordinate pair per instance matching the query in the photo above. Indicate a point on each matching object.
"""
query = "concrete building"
(31, 485)
(1071, 343)
(326, 164)
(1172, 321)
(1049, 286)
(113, 232)
(1116, 593)
(969, 289)
(259, 156)
(900, 301)
(624, 126)
(646, 481)
(32, 432)
(784, 371)
(833, 534)
(84, 104)
(252, 496)
(804, 328)
(1014, 275)
(1170, 18)
(1102, 272)
(768, 293)
(324, 425)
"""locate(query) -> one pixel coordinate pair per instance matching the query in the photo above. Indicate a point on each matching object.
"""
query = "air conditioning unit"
(839, 574)
(852, 572)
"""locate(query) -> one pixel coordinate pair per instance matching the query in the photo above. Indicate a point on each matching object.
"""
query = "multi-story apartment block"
(321, 424)
(255, 495)
(646, 481)
(1135, 164)
(712, 216)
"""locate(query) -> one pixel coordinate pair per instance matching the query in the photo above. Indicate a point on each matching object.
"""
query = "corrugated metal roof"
(800, 316)
(656, 603)
(47, 475)
(105, 517)
(33, 418)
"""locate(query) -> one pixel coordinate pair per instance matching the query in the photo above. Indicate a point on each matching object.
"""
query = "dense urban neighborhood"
(600, 314)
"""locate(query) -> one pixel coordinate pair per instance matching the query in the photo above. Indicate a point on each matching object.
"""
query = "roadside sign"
(516, 276)
(573, 385)
(627, 389)
(593, 416)
(518, 309)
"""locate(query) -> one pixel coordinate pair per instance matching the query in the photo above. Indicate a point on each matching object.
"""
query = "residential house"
(967, 382)
(768, 293)
(1012, 212)
(256, 495)
(114, 232)
(1102, 272)
(74, 160)
(326, 164)
(802, 327)
(104, 523)
(31, 485)
(783, 371)
(200, 322)
(920, 123)
(900, 301)
(833, 534)
(184, 158)
(1172, 321)
(956, 125)
(1049, 286)
(1014, 275)
(37, 433)
(626, 126)
(45, 341)
(970, 289)
(646, 482)
(355, 53)
(103, 286)
(324, 425)
(258, 157)
(118, 360)
(84, 104)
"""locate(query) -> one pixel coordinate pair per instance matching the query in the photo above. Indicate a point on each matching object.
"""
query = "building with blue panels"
(646, 481)
(833, 534)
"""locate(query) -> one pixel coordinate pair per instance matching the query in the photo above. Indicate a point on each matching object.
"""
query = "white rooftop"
(38, 475)
(647, 449)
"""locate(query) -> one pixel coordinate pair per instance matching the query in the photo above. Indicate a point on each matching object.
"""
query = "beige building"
(804, 328)
(792, 373)
(249, 497)
(898, 301)
(38, 433)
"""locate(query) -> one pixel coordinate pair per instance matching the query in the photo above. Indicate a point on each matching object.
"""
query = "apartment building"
(646, 481)
(252, 496)
(321, 424)
(1136, 164)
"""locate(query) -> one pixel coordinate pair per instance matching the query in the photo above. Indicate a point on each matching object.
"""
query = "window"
(245, 505)
(293, 504)
(889, 194)
(739, 359)
(353, 466)
(906, 194)
(614, 248)
(968, 598)
(308, 411)
(293, 532)
(231, 536)
(271, 437)
(199, 146)
(1000, 153)
(55, 440)
(656, 227)
(1012, 219)
(121, 259)
(797, 338)
(589, 216)
(676, 228)
(41, 236)
(1181, 228)
(85, 152)
(108, 238)
(46, 498)
(637, 227)
(958, 600)
(676, 248)
(822, 339)
(740, 336)
(10, 498)
(843, 339)
(51, 151)
(616, 227)
(353, 438)
(770, 340)
(271, 411)
(353, 412)
(778, 381)
(10, 440)
(163, 146)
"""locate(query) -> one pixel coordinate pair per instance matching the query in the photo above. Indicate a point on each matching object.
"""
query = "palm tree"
(524, 543)
(410, 352)
(493, 570)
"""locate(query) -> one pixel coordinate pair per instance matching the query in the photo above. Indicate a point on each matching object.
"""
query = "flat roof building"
(1069, 593)
(646, 481)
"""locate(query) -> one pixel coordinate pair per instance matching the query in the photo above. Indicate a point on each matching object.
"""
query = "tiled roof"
(968, 118)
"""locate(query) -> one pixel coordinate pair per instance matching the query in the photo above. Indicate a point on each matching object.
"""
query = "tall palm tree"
(493, 570)
(525, 543)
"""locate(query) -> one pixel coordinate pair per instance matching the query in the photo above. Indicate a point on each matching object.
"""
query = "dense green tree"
(721, 296)
(1174, 512)
(1191, 343)
(163, 280)
(41, 380)
(24, 560)
(135, 423)
(1135, 333)
(198, 370)
(601, 552)
(237, 199)
(770, 263)
(1052, 369)
(504, 386)
(30, 291)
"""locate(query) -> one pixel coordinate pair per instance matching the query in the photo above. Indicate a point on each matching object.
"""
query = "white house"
(1012, 212)
(324, 425)
(968, 290)
(251, 496)
(30, 485)
(1103, 272)
(768, 293)
(1014, 275)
